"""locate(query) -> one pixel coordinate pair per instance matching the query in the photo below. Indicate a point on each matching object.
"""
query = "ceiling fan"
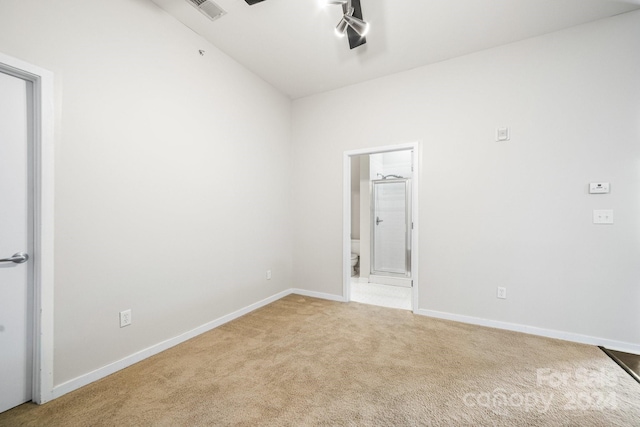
(351, 21)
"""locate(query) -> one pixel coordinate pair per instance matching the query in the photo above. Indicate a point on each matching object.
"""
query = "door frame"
(346, 218)
(42, 159)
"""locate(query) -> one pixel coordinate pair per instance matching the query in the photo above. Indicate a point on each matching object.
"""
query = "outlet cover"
(268, 274)
(502, 293)
(125, 318)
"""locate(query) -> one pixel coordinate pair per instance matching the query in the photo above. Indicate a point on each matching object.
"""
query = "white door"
(16, 322)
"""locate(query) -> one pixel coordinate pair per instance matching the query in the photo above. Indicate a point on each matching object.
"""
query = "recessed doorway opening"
(380, 226)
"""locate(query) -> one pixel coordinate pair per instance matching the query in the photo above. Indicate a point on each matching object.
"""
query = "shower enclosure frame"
(414, 147)
(407, 232)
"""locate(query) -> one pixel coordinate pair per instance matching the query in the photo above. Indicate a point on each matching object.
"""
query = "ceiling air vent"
(208, 8)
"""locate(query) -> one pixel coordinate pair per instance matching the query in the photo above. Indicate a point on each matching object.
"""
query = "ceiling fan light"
(341, 27)
(359, 26)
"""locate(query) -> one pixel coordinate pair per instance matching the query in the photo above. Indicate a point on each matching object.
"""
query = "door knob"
(18, 258)
(378, 221)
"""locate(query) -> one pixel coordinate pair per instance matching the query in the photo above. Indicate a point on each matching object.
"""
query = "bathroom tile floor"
(382, 295)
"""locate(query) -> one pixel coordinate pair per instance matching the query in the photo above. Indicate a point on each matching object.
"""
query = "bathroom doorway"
(380, 227)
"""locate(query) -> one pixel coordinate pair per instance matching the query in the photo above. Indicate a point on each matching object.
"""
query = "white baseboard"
(111, 368)
(321, 295)
(549, 333)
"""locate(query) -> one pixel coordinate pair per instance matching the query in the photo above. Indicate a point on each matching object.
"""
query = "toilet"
(355, 256)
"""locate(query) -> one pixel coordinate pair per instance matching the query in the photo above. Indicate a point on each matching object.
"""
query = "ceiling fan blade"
(355, 39)
(252, 2)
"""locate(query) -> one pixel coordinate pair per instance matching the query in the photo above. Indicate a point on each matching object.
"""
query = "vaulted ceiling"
(292, 45)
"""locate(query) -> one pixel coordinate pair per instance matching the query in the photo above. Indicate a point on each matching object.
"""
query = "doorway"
(26, 233)
(380, 226)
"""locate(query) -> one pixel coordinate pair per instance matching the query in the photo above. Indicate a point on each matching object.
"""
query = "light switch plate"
(603, 216)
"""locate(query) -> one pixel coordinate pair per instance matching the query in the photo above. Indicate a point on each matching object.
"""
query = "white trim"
(346, 224)
(125, 362)
(346, 213)
(321, 295)
(533, 330)
(43, 135)
(383, 149)
(99, 373)
(109, 369)
(415, 218)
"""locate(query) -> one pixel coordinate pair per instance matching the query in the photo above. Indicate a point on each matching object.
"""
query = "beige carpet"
(303, 361)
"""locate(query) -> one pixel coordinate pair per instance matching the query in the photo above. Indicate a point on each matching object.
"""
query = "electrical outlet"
(125, 318)
(268, 274)
(502, 293)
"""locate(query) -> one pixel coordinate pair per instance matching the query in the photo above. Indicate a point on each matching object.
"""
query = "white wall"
(514, 214)
(172, 176)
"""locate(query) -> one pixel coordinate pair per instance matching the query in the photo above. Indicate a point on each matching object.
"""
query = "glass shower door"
(391, 225)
